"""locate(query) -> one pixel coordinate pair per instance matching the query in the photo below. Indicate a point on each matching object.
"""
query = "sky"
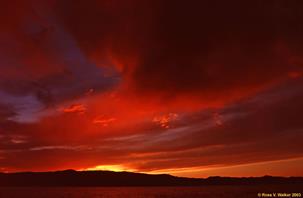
(189, 88)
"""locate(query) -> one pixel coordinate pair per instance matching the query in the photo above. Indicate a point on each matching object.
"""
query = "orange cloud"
(75, 108)
(104, 122)
(165, 120)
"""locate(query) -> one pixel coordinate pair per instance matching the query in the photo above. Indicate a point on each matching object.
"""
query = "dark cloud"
(41, 64)
(210, 48)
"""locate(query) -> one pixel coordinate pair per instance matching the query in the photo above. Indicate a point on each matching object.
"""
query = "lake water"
(145, 192)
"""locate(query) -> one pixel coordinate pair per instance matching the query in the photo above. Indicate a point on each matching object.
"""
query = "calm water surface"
(143, 192)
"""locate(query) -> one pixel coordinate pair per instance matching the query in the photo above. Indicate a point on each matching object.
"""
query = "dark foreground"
(103, 184)
(222, 191)
(109, 179)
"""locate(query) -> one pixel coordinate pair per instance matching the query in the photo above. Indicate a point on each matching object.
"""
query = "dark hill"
(109, 178)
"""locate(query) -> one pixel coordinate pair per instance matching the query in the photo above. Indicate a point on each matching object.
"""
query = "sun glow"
(115, 168)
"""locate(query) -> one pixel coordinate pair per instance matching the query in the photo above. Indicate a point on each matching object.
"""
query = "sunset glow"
(116, 168)
(194, 89)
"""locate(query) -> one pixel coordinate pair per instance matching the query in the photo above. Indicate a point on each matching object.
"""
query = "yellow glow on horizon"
(115, 168)
(257, 169)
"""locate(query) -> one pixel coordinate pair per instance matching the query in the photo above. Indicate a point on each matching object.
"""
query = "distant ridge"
(109, 178)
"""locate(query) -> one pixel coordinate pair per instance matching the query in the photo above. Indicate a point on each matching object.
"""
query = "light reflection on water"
(143, 192)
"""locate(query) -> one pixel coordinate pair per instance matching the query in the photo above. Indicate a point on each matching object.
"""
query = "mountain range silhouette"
(110, 178)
